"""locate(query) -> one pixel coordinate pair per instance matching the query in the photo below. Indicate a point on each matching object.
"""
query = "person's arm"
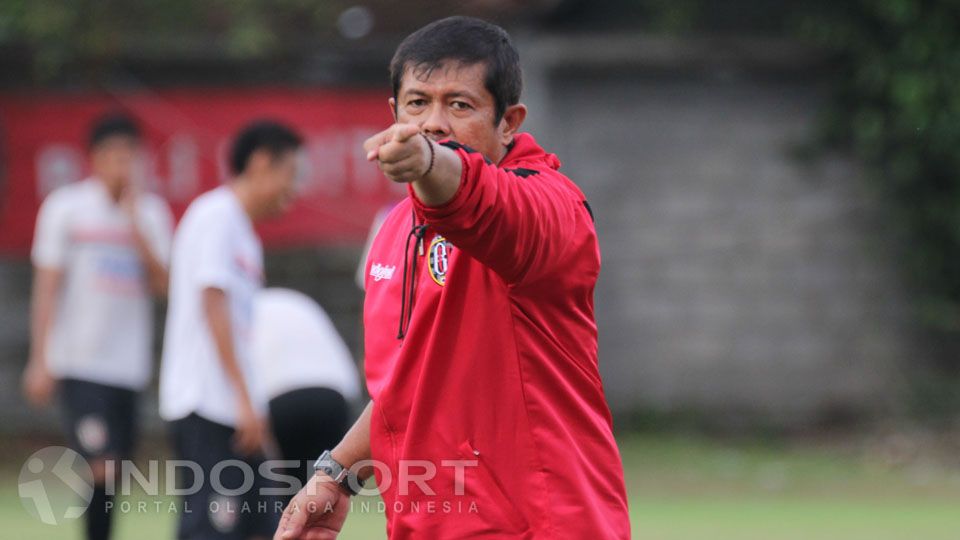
(319, 510)
(49, 257)
(249, 430)
(520, 226)
(157, 275)
(38, 383)
(355, 445)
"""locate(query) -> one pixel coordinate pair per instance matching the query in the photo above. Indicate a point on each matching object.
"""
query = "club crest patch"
(439, 259)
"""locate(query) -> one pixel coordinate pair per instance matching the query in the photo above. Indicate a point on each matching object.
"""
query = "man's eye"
(416, 102)
(461, 105)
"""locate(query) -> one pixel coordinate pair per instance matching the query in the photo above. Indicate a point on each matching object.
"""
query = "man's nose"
(436, 125)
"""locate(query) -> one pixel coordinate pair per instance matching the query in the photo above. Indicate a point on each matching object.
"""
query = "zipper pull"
(420, 233)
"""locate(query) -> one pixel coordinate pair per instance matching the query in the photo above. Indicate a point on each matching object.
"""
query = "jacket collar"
(526, 150)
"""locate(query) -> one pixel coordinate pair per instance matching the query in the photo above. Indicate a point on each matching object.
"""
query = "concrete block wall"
(739, 282)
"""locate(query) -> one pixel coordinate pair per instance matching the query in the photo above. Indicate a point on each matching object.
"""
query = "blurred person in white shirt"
(100, 253)
(206, 378)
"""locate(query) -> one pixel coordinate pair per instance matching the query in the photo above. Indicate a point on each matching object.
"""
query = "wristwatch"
(343, 476)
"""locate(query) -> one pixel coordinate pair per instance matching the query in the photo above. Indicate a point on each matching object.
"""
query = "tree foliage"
(897, 107)
(56, 33)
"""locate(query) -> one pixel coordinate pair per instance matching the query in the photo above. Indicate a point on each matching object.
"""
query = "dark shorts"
(218, 510)
(306, 422)
(100, 420)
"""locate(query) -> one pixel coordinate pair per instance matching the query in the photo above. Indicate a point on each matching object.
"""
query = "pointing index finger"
(403, 132)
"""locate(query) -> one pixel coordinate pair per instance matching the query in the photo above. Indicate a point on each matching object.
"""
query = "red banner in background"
(187, 135)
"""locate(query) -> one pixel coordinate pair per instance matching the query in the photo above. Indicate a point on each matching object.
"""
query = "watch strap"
(343, 476)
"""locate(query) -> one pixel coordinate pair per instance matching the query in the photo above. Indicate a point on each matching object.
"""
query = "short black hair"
(467, 40)
(272, 136)
(112, 124)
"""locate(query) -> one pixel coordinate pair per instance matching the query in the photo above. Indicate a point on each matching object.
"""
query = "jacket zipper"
(406, 312)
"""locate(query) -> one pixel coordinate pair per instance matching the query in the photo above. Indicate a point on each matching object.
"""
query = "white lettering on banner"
(366, 177)
(57, 165)
(326, 154)
(223, 160)
(183, 158)
(333, 165)
(144, 169)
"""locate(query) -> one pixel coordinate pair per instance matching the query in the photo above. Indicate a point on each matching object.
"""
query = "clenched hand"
(402, 153)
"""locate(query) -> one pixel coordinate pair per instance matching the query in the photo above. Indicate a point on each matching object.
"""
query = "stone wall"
(740, 283)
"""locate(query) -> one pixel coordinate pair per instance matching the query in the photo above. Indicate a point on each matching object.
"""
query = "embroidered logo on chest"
(380, 272)
(439, 259)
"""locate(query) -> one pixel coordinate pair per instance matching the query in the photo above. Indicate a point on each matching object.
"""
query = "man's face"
(112, 161)
(453, 103)
(274, 177)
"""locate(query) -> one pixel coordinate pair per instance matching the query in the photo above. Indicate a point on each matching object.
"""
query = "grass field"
(689, 488)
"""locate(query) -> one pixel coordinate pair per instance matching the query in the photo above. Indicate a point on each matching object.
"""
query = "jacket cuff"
(451, 207)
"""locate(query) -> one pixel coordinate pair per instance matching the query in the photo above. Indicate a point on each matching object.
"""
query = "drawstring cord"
(418, 232)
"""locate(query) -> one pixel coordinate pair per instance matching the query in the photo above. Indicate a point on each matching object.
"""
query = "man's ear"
(393, 108)
(510, 124)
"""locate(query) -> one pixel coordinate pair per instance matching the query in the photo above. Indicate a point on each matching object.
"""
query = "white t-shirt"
(295, 345)
(215, 246)
(102, 330)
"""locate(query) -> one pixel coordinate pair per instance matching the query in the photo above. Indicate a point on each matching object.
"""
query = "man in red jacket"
(488, 418)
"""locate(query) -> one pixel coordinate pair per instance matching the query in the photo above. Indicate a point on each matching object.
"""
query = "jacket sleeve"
(516, 221)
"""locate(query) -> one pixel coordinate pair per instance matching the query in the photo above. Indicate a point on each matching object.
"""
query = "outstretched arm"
(519, 222)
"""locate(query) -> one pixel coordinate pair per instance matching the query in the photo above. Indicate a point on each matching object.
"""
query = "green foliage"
(673, 16)
(59, 32)
(897, 106)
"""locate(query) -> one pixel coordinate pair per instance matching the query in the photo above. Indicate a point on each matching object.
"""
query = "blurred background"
(777, 199)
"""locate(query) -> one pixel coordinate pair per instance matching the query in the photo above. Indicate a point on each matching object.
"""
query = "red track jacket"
(481, 358)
